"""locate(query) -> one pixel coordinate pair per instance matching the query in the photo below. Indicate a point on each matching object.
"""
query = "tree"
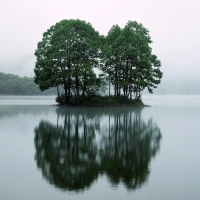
(109, 59)
(71, 49)
(133, 64)
(66, 56)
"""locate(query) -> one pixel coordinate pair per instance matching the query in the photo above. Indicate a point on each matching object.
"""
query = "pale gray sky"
(174, 27)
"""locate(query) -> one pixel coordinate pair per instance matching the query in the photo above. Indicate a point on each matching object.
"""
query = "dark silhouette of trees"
(11, 84)
(80, 145)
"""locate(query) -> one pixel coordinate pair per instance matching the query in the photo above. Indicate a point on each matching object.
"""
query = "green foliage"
(14, 85)
(128, 60)
(66, 57)
(101, 101)
(71, 49)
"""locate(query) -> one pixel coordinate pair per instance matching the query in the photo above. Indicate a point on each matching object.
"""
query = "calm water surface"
(51, 153)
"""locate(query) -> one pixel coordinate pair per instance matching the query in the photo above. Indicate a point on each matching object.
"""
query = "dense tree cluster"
(14, 85)
(128, 62)
(70, 50)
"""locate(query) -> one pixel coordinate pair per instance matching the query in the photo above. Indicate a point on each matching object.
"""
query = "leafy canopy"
(66, 56)
(129, 62)
(71, 49)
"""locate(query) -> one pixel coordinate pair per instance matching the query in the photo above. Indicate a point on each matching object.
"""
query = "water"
(48, 152)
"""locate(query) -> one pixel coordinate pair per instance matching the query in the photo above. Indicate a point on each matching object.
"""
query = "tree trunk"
(84, 89)
(66, 93)
(77, 86)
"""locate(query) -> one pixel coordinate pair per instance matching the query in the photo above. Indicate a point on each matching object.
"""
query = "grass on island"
(104, 101)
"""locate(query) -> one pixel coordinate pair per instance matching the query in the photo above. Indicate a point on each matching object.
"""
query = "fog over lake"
(48, 152)
(173, 25)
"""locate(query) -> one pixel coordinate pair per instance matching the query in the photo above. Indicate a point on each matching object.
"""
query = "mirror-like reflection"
(84, 143)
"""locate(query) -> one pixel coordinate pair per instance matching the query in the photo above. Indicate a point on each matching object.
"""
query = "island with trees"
(82, 64)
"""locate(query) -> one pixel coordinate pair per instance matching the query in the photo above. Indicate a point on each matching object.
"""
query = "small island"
(101, 101)
(89, 69)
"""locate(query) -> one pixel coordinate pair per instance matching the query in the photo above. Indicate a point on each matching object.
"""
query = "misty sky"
(174, 27)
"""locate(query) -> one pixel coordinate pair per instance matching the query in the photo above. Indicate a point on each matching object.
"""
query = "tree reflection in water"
(85, 143)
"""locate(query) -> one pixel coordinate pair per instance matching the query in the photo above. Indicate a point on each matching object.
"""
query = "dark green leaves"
(129, 62)
(71, 49)
(67, 52)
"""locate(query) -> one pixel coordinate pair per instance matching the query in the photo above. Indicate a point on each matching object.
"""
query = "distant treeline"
(14, 85)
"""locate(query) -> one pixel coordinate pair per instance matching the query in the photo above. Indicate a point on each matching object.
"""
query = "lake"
(48, 152)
